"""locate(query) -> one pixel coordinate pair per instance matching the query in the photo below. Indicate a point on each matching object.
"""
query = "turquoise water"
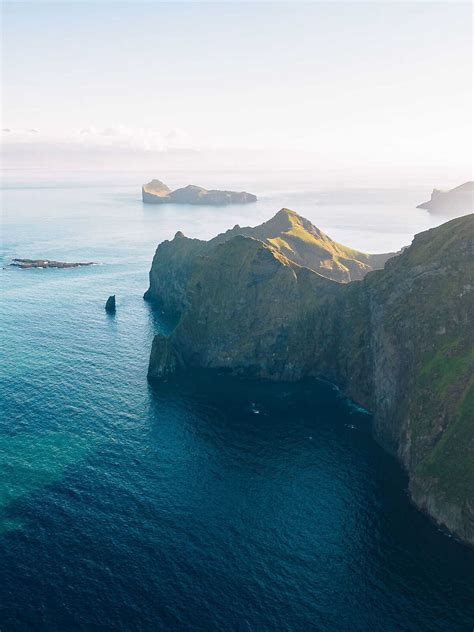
(201, 504)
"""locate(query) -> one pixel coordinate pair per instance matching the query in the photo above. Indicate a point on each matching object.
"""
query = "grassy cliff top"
(449, 239)
(297, 239)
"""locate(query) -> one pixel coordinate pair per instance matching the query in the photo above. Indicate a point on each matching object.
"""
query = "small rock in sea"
(47, 263)
(110, 305)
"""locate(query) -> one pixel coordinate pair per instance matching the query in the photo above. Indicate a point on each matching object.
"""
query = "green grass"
(443, 369)
(445, 238)
(451, 462)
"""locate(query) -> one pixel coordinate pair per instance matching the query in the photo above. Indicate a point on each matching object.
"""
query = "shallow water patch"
(31, 462)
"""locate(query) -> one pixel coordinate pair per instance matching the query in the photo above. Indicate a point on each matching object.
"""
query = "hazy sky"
(378, 85)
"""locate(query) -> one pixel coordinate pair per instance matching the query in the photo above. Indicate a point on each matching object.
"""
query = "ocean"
(205, 502)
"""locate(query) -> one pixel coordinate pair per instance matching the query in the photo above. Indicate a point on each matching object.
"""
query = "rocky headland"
(287, 234)
(46, 263)
(293, 304)
(156, 192)
(458, 201)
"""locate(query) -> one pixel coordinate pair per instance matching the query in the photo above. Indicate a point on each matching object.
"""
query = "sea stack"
(110, 305)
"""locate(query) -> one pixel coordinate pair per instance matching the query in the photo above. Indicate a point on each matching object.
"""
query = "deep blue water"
(205, 503)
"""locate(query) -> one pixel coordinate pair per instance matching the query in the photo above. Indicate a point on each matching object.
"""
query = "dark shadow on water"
(161, 321)
(308, 420)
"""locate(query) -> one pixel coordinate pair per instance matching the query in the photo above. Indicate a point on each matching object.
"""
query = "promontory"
(283, 301)
(458, 201)
(156, 192)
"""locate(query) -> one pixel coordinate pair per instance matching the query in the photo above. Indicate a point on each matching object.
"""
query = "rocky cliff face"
(457, 201)
(252, 318)
(156, 192)
(399, 342)
(421, 362)
(172, 266)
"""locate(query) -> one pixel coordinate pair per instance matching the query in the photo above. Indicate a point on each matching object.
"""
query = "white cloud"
(119, 136)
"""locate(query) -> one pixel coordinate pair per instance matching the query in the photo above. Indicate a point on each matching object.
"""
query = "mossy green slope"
(297, 239)
(287, 233)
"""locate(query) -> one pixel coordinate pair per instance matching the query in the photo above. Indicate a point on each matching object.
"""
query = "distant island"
(283, 301)
(458, 201)
(156, 192)
(46, 263)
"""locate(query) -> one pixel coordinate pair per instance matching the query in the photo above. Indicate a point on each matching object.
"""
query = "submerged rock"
(156, 192)
(110, 307)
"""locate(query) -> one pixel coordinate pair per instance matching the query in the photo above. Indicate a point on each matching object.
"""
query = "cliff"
(286, 233)
(156, 192)
(421, 362)
(458, 201)
(399, 342)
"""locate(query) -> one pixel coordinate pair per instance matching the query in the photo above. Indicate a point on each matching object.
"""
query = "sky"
(375, 87)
